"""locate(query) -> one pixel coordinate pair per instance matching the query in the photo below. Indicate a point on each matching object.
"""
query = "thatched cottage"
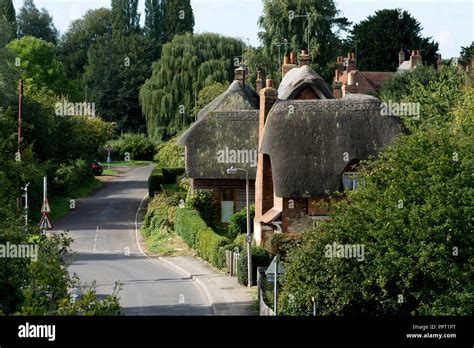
(225, 135)
(309, 146)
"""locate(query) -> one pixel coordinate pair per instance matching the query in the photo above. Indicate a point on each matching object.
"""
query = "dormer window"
(350, 180)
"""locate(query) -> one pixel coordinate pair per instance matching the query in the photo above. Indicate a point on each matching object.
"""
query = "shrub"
(70, 177)
(155, 181)
(187, 224)
(170, 155)
(260, 258)
(170, 174)
(139, 146)
(238, 222)
(204, 202)
(208, 244)
(211, 247)
(155, 219)
(282, 243)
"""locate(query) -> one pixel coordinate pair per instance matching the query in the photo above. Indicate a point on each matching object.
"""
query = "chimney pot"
(269, 83)
(292, 58)
(285, 60)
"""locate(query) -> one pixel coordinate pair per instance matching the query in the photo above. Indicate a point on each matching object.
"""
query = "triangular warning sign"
(45, 208)
(45, 224)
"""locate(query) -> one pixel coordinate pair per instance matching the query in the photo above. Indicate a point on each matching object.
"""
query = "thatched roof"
(236, 97)
(220, 140)
(297, 79)
(307, 147)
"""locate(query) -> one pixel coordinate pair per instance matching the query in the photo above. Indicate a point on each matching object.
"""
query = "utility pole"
(275, 288)
(20, 114)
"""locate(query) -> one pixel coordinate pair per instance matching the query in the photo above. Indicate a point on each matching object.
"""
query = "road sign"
(109, 160)
(45, 208)
(45, 224)
(248, 239)
(109, 148)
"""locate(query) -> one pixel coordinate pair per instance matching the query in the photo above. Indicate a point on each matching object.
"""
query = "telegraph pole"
(20, 114)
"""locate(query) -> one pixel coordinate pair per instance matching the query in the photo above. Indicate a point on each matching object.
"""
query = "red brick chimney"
(351, 62)
(259, 82)
(287, 66)
(264, 182)
(241, 74)
(304, 58)
(415, 58)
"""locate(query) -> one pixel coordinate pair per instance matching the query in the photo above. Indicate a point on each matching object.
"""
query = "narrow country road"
(105, 242)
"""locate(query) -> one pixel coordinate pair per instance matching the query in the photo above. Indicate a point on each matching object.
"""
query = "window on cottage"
(227, 205)
(350, 180)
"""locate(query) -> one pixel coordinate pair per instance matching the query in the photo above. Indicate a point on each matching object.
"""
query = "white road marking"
(95, 239)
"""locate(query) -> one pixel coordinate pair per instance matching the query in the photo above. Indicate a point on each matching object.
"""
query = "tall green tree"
(39, 65)
(116, 69)
(33, 22)
(188, 64)
(125, 17)
(96, 25)
(154, 26)
(282, 20)
(7, 13)
(467, 53)
(379, 38)
(178, 18)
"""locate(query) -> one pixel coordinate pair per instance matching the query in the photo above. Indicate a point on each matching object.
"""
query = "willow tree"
(293, 20)
(188, 64)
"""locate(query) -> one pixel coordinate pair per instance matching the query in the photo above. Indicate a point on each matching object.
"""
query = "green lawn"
(127, 163)
(110, 172)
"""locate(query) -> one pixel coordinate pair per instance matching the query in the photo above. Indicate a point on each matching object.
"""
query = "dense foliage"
(283, 20)
(260, 258)
(238, 222)
(33, 22)
(188, 63)
(379, 38)
(195, 232)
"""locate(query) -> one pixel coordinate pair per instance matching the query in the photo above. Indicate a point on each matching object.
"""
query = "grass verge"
(130, 163)
(60, 205)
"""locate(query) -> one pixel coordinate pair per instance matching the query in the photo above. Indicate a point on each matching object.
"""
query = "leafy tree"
(116, 69)
(33, 22)
(280, 22)
(38, 63)
(178, 18)
(413, 217)
(154, 27)
(379, 38)
(7, 32)
(398, 87)
(466, 55)
(125, 18)
(188, 64)
(95, 26)
(7, 10)
(7, 14)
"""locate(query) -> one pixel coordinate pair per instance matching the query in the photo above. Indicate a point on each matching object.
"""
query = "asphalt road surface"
(103, 227)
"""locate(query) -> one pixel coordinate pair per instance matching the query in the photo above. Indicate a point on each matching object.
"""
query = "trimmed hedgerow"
(193, 229)
(155, 181)
(170, 174)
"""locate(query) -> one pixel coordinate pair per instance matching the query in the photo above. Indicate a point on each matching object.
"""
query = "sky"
(449, 22)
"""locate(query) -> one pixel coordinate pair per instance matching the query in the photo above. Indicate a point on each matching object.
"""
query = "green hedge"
(260, 258)
(211, 247)
(170, 174)
(208, 244)
(155, 181)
